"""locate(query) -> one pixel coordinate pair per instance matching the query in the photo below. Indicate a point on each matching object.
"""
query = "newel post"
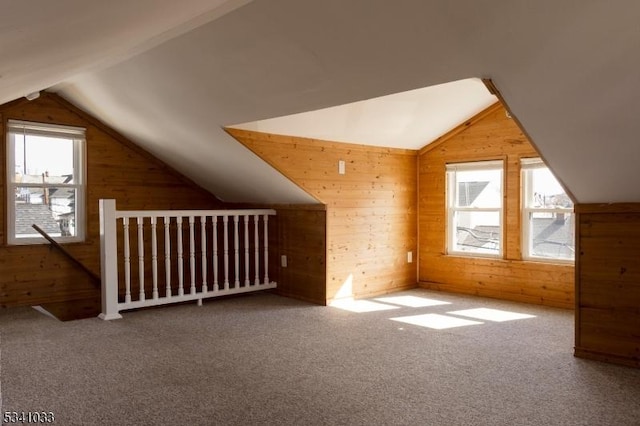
(109, 260)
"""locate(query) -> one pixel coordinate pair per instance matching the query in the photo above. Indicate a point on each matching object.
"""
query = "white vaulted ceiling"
(408, 119)
(170, 75)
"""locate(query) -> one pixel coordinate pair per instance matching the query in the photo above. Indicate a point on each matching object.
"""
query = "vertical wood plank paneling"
(512, 211)
(492, 136)
(608, 283)
(371, 209)
(116, 168)
(300, 234)
(3, 174)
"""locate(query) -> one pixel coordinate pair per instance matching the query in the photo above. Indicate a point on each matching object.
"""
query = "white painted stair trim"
(181, 269)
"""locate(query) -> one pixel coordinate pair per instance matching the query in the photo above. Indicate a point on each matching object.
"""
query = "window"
(474, 207)
(45, 175)
(548, 219)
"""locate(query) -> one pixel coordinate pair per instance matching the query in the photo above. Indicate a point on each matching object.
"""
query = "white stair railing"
(158, 239)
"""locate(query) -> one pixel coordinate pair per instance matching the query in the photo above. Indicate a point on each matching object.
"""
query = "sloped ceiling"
(409, 120)
(170, 75)
(45, 42)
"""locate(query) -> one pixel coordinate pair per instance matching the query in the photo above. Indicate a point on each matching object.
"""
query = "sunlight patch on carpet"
(491, 314)
(436, 321)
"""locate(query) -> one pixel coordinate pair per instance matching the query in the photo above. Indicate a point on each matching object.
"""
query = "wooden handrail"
(94, 277)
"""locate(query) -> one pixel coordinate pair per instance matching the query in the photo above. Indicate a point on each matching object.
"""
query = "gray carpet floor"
(262, 359)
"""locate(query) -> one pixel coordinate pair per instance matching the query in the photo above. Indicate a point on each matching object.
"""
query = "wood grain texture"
(116, 168)
(460, 128)
(301, 237)
(493, 89)
(371, 209)
(608, 283)
(3, 174)
(491, 136)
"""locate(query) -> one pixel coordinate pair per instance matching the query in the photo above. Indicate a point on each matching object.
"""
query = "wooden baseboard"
(299, 297)
(512, 296)
(387, 291)
(378, 293)
(608, 358)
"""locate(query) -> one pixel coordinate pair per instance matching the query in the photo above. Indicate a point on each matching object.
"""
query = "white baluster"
(127, 261)
(236, 255)
(225, 222)
(248, 281)
(266, 249)
(179, 247)
(246, 251)
(167, 256)
(214, 221)
(140, 222)
(203, 244)
(192, 255)
(256, 243)
(109, 260)
(154, 257)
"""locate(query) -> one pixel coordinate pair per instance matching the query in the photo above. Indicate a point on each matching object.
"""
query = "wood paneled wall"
(301, 236)
(371, 209)
(490, 135)
(608, 283)
(116, 168)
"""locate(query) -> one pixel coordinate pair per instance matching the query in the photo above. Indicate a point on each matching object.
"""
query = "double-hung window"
(548, 219)
(46, 182)
(475, 208)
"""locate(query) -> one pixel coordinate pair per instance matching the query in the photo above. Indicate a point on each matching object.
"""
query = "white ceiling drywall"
(410, 119)
(170, 75)
(44, 42)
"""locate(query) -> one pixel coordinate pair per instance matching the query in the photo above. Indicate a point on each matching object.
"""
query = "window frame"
(451, 200)
(78, 136)
(526, 165)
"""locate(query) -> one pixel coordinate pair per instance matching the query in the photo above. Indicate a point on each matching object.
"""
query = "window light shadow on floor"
(436, 321)
(491, 314)
(385, 303)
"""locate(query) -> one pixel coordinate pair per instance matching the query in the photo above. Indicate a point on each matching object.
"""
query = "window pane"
(552, 235)
(45, 170)
(53, 209)
(477, 232)
(43, 159)
(479, 188)
(546, 191)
